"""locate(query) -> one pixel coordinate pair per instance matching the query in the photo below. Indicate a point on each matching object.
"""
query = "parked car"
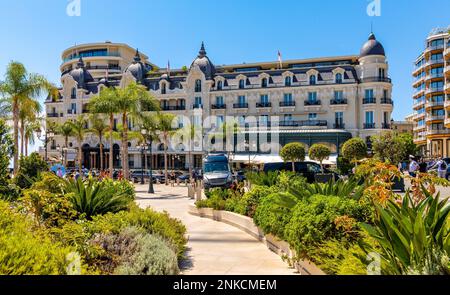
(217, 172)
(306, 169)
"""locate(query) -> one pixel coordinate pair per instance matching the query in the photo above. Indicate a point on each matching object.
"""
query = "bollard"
(191, 192)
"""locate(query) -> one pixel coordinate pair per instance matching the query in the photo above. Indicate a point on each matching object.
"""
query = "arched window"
(288, 81)
(312, 80)
(74, 93)
(198, 86)
(219, 85)
(264, 83)
(338, 78)
(241, 84)
(163, 88)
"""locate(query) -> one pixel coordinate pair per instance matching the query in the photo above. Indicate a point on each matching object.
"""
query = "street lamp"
(142, 164)
(150, 183)
(47, 137)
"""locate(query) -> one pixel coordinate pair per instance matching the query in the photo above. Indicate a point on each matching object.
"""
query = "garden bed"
(247, 225)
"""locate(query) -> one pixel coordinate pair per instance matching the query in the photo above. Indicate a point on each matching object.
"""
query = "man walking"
(441, 168)
(413, 167)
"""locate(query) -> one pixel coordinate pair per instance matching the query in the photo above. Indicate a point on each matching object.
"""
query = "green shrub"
(24, 251)
(6, 152)
(314, 221)
(121, 187)
(148, 255)
(49, 182)
(92, 198)
(215, 202)
(271, 217)
(262, 178)
(235, 204)
(291, 181)
(30, 169)
(251, 199)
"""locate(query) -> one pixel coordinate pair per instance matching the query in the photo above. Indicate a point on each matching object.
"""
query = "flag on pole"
(280, 60)
(168, 67)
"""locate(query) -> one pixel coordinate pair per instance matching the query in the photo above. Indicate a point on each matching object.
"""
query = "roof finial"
(80, 62)
(202, 52)
(137, 57)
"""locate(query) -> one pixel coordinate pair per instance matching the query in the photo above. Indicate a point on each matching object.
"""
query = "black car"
(306, 169)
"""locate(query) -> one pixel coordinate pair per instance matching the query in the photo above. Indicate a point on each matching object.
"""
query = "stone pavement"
(214, 248)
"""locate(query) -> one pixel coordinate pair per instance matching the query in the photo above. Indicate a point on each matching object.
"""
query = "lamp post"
(142, 164)
(150, 183)
(47, 137)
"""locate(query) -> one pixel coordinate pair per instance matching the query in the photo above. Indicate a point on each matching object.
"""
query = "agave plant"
(91, 197)
(262, 178)
(413, 238)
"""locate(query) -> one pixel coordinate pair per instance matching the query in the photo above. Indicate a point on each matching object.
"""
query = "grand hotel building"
(318, 100)
(432, 95)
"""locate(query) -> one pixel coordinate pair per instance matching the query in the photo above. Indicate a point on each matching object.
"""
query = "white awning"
(264, 159)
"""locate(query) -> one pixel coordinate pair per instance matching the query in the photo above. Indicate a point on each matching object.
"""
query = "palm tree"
(66, 130)
(190, 131)
(30, 129)
(18, 86)
(28, 112)
(105, 103)
(165, 127)
(79, 130)
(99, 128)
(131, 102)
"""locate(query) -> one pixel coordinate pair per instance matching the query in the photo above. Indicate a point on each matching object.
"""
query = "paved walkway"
(214, 248)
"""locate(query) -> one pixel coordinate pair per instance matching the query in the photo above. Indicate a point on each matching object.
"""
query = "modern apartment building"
(432, 95)
(317, 100)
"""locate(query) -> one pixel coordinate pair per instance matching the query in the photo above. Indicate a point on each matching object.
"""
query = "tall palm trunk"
(26, 145)
(22, 136)
(111, 163)
(166, 173)
(125, 146)
(79, 157)
(16, 135)
(100, 137)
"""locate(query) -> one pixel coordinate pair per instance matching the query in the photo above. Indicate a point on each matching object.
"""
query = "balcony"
(97, 54)
(305, 123)
(369, 125)
(447, 51)
(418, 92)
(287, 104)
(340, 101)
(369, 100)
(386, 100)
(434, 62)
(219, 106)
(438, 131)
(263, 104)
(312, 103)
(197, 106)
(339, 126)
(418, 104)
(386, 126)
(432, 104)
(85, 111)
(94, 68)
(72, 112)
(52, 115)
(434, 89)
(173, 108)
(434, 76)
(447, 69)
(433, 48)
(432, 118)
(240, 106)
(376, 79)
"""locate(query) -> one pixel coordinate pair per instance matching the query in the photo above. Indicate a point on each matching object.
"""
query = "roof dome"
(137, 68)
(165, 77)
(372, 47)
(81, 75)
(203, 62)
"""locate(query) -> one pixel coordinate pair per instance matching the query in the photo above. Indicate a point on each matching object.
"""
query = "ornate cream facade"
(325, 100)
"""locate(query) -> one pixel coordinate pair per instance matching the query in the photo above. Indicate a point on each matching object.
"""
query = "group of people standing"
(421, 166)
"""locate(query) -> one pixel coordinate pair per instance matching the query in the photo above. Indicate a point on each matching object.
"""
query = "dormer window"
(264, 83)
(219, 85)
(198, 86)
(338, 78)
(288, 81)
(241, 84)
(163, 88)
(312, 80)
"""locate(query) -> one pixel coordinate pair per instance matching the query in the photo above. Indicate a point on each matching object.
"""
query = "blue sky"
(235, 31)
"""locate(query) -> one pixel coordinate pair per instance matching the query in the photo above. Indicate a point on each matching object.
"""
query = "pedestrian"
(413, 167)
(423, 166)
(441, 168)
(59, 173)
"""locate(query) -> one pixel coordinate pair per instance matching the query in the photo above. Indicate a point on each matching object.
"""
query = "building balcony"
(419, 127)
(85, 111)
(173, 108)
(218, 106)
(418, 92)
(434, 62)
(447, 87)
(309, 103)
(386, 126)
(52, 115)
(447, 69)
(341, 101)
(197, 106)
(369, 126)
(438, 131)
(418, 104)
(431, 90)
(432, 104)
(376, 79)
(339, 126)
(419, 139)
(417, 117)
(305, 123)
(418, 80)
(98, 54)
(240, 106)
(434, 48)
(71, 112)
(263, 104)
(96, 68)
(287, 104)
(447, 51)
(386, 100)
(369, 100)
(432, 76)
(432, 118)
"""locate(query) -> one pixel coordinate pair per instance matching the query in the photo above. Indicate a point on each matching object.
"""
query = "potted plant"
(320, 152)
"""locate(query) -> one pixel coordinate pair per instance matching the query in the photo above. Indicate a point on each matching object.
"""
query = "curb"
(247, 225)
